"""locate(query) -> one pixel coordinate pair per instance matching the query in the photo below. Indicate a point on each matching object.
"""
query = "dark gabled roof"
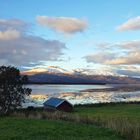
(54, 102)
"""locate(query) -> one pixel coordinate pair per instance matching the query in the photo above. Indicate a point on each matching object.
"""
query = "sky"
(100, 35)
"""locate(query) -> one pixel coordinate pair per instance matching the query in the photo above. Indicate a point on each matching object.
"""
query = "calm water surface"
(85, 98)
(53, 89)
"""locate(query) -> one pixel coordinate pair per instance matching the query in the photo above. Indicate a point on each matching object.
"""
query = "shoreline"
(116, 93)
(130, 88)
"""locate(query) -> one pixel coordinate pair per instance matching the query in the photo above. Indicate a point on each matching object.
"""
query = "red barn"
(59, 104)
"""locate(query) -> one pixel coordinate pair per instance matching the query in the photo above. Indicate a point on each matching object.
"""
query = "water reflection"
(54, 89)
(75, 95)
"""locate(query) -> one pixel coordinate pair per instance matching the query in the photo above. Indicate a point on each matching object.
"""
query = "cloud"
(133, 44)
(13, 24)
(118, 53)
(127, 45)
(63, 24)
(122, 53)
(99, 57)
(19, 48)
(131, 24)
(103, 45)
(9, 34)
(131, 59)
(133, 71)
(25, 50)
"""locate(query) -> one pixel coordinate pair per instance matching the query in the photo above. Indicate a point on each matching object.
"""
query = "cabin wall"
(50, 109)
(65, 106)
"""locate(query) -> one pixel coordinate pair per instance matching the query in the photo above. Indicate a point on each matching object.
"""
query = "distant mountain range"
(57, 75)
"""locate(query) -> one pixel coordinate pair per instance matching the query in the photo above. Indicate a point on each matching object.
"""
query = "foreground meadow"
(101, 122)
(32, 129)
(123, 118)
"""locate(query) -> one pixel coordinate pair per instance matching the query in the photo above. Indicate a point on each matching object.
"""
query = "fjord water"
(54, 89)
(76, 95)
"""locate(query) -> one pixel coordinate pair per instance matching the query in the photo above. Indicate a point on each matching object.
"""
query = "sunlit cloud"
(131, 24)
(119, 53)
(63, 24)
(127, 45)
(107, 58)
(103, 45)
(129, 70)
(19, 48)
(129, 59)
(6, 24)
(100, 57)
(30, 49)
(133, 44)
(9, 34)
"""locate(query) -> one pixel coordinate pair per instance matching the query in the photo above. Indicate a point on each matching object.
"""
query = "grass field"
(85, 122)
(123, 118)
(26, 129)
(131, 111)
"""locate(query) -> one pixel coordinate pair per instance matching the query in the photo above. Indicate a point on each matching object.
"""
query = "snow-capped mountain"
(95, 72)
(57, 75)
(58, 70)
(49, 69)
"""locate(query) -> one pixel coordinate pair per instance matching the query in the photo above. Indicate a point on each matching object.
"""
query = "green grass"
(32, 129)
(131, 111)
(91, 122)
(123, 118)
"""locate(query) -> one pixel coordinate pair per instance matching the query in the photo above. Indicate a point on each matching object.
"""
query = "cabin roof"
(54, 102)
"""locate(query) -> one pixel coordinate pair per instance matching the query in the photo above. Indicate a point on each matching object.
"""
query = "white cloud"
(9, 34)
(133, 44)
(17, 24)
(30, 49)
(131, 24)
(103, 45)
(20, 49)
(129, 70)
(99, 57)
(121, 53)
(63, 24)
(127, 45)
(131, 59)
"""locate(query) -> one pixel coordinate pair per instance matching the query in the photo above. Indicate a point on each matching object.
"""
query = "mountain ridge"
(57, 75)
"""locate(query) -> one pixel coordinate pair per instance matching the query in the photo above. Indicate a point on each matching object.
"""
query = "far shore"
(116, 88)
(44, 83)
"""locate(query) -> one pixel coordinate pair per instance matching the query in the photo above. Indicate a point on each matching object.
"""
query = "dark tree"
(12, 89)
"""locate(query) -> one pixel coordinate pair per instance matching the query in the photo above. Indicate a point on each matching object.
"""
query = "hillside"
(57, 75)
